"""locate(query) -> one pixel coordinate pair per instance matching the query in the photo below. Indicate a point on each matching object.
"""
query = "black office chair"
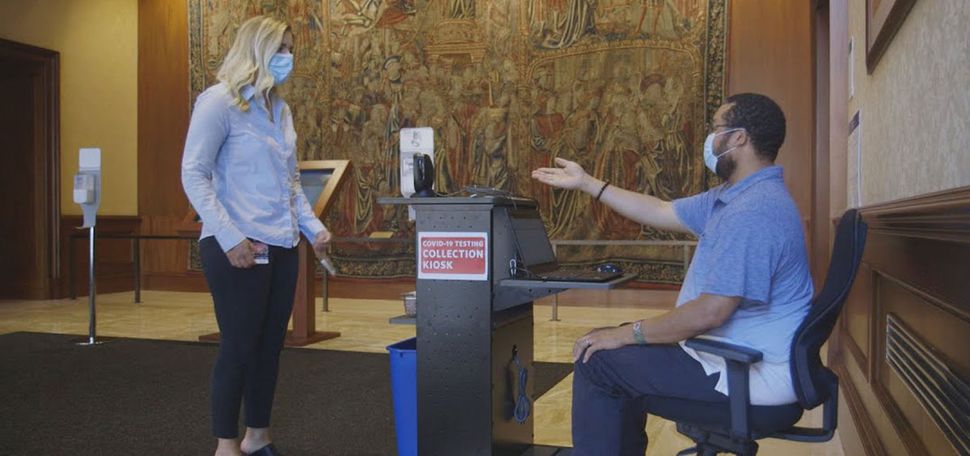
(735, 426)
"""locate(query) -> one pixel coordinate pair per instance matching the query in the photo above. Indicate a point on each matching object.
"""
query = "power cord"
(514, 269)
(487, 191)
(522, 405)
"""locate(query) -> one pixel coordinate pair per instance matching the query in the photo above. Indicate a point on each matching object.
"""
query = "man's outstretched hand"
(567, 175)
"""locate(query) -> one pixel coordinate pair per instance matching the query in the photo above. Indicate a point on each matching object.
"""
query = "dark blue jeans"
(252, 308)
(609, 411)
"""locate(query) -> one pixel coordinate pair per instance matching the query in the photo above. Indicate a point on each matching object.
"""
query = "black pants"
(252, 308)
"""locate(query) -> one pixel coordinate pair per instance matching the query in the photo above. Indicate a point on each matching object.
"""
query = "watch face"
(638, 333)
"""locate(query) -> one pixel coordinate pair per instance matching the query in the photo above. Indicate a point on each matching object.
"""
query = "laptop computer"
(536, 259)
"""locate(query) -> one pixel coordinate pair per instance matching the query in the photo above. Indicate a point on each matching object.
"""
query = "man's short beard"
(725, 167)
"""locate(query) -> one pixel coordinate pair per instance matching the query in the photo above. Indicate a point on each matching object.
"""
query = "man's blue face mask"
(281, 65)
(710, 159)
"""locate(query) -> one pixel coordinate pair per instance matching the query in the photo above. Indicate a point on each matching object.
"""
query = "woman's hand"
(320, 243)
(602, 339)
(241, 256)
(568, 175)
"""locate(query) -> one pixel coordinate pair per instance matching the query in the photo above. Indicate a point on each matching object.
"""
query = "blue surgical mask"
(710, 160)
(281, 65)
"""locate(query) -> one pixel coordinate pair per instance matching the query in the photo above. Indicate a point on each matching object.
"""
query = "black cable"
(523, 407)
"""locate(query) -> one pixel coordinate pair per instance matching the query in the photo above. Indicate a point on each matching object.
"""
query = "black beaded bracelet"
(602, 189)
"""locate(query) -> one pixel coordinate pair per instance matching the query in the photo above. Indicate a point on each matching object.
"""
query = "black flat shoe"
(268, 450)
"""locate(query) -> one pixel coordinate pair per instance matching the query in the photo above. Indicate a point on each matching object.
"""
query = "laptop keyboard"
(579, 276)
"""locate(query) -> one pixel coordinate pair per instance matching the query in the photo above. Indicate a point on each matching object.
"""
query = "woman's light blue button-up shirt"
(239, 171)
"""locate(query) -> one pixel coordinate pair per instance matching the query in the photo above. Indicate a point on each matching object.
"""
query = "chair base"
(697, 451)
(712, 443)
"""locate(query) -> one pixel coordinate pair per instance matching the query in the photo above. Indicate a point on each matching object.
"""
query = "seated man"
(749, 283)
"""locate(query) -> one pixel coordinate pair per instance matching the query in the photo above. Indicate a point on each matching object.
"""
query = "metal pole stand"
(555, 297)
(555, 308)
(92, 292)
(325, 288)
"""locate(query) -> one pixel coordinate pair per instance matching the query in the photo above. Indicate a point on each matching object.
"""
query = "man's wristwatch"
(638, 332)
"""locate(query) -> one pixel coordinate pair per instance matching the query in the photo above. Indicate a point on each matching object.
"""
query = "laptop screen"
(531, 240)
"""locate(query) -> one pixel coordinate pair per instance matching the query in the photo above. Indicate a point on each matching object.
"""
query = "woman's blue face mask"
(281, 65)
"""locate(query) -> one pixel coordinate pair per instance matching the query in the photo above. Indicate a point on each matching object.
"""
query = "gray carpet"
(149, 397)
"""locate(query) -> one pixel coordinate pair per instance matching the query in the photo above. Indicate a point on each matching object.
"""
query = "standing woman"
(239, 172)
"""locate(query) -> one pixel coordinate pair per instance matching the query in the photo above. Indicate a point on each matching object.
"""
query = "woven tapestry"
(624, 87)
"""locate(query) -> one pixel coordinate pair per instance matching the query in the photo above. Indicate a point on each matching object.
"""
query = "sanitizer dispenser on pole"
(87, 193)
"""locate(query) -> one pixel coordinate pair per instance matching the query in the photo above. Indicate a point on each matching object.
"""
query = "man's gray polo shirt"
(751, 244)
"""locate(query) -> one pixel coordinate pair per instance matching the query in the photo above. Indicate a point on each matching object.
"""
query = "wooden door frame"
(46, 192)
(821, 225)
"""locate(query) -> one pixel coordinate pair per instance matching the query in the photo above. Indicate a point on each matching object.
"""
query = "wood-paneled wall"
(770, 52)
(914, 270)
(163, 119)
(163, 105)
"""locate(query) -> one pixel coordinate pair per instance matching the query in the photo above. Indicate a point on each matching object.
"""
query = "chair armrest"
(725, 350)
(738, 360)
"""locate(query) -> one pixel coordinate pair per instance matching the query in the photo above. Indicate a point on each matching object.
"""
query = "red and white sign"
(452, 256)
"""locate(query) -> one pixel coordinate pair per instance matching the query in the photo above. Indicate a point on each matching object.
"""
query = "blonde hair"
(247, 61)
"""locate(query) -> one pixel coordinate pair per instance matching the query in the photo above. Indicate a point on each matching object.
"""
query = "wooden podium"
(320, 179)
(304, 330)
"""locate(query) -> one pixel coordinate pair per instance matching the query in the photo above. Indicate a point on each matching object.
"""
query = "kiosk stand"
(474, 328)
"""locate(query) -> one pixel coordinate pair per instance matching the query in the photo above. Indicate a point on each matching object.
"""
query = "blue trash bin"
(404, 391)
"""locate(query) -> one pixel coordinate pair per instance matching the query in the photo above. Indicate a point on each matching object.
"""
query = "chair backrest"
(813, 381)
